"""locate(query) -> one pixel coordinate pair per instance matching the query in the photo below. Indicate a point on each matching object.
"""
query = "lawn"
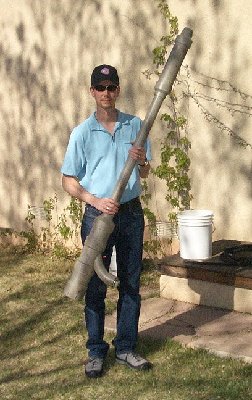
(42, 346)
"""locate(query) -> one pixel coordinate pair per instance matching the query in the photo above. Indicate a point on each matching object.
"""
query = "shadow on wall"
(36, 123)
(221, 166)
(45, 67)
(43, 85)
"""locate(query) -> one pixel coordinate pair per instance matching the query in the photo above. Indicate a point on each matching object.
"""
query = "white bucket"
(195, 234)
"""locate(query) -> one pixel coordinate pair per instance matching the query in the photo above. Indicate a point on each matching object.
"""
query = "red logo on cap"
(105, 71)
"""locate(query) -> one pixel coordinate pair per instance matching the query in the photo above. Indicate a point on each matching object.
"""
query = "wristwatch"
(146, 162)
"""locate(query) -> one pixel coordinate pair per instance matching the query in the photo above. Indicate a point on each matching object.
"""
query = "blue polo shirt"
(97, 158)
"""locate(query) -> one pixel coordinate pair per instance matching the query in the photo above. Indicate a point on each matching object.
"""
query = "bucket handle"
(213, 228)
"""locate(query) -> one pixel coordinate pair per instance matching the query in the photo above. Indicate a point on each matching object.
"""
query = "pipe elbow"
(108, 278)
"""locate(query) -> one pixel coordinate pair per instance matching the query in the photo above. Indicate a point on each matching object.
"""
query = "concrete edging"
(206, 293)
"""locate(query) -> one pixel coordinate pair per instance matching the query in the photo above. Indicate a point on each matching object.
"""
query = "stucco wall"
(48, 50)
(220, 64)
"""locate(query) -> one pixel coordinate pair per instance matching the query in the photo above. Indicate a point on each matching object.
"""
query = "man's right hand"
(106, 205)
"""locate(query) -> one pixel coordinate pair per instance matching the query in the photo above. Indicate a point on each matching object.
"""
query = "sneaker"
(94, 367)
(133, 360)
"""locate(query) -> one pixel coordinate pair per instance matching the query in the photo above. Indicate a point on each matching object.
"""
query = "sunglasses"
(102, 88)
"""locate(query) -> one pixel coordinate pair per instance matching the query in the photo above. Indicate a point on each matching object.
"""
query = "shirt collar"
(122, 119)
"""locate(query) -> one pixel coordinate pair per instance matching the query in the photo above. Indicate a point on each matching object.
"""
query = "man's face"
(105, 99)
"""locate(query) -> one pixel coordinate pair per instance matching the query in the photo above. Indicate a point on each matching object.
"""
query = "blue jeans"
(127, 238)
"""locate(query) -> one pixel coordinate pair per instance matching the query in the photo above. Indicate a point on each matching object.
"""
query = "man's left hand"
(138, 154)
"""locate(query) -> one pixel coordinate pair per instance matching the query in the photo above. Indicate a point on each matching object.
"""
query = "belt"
(129, 204)
(124, 206)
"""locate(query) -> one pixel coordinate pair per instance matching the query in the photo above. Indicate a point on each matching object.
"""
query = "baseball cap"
(104, 72)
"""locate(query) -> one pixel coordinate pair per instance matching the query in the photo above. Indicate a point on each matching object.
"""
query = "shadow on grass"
(9, 261)
(24, 374)
(73, 330)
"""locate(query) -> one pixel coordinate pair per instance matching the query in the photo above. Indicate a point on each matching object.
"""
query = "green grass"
(43, 347)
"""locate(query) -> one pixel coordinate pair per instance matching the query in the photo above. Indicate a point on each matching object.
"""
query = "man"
(96, 154)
